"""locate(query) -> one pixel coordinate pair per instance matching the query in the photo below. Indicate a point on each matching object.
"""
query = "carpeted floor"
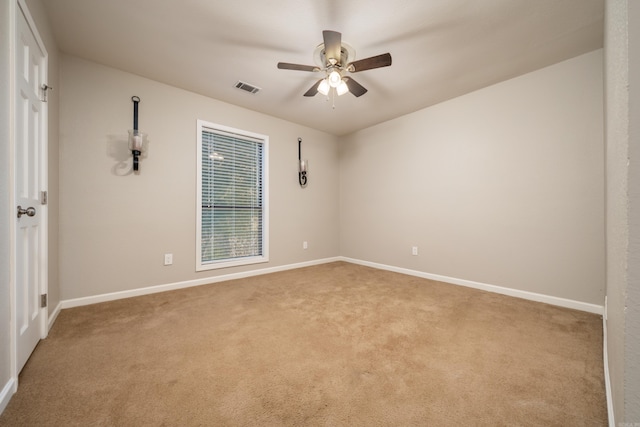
(335, 344)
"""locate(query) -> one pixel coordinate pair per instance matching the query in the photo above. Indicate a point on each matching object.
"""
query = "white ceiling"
(440, 48)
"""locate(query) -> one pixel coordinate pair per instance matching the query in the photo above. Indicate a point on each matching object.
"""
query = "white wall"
(502, 186)
(622, 65)
(115, 226)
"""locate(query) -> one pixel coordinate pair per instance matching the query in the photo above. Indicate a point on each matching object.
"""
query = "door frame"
(20, 7)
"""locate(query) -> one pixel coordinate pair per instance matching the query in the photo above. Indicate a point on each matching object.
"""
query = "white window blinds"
(232, 195)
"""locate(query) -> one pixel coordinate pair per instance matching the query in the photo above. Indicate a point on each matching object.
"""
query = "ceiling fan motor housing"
(346, 52)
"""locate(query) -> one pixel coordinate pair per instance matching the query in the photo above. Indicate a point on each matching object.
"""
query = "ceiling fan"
(333, 57)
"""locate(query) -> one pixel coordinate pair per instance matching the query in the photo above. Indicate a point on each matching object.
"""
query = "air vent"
(247, 87)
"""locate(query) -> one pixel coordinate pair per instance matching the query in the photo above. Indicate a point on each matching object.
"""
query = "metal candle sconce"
(302, 167)
(136, 138)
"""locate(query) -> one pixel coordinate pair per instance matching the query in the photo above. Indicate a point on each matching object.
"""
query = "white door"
(30, 177)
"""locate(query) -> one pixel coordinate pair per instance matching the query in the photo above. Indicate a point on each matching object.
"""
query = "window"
(232, 209)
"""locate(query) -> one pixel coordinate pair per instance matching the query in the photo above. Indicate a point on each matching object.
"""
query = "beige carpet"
(336, 344)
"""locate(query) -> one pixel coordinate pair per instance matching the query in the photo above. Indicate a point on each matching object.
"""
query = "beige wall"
(622, 68)
(632, 332)
(115, 227)
(617, 125)
(632, 313)
(502, 186)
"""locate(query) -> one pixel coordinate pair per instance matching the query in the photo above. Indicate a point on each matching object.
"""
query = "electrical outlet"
(305, 245)
(168, 259)
(414, 250)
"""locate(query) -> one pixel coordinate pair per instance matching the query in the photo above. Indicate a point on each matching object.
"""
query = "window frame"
(203, 125)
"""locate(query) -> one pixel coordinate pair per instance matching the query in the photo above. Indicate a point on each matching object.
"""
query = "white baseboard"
(76, 302)
(53, 316)
(532, 296)
(7, 391)
(607, 376)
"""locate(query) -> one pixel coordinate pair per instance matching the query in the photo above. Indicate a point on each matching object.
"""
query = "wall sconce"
(302, 167)
(136, 138)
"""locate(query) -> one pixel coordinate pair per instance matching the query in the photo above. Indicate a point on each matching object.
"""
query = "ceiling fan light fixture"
(324, 87)
(342, 88)
(334, 78)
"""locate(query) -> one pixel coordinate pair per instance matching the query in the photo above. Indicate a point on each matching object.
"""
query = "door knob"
(29, 211)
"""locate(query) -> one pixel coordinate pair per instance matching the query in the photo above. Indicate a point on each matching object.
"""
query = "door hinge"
(43, 300)
(44, 196)
(45, 89)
